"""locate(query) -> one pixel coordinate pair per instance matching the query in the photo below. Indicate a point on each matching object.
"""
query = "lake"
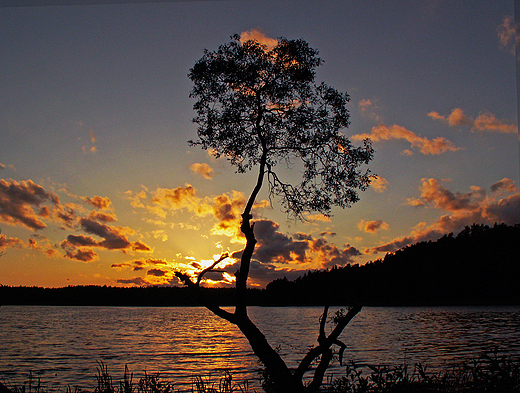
(62, 345)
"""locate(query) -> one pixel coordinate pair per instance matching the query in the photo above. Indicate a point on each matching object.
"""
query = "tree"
(258, 107)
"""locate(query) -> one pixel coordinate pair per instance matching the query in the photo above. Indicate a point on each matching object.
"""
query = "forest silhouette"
(478, 266)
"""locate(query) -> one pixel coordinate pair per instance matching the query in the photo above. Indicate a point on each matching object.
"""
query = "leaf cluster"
(261, 106)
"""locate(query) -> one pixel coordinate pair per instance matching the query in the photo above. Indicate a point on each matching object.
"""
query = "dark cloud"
(274, 246)
(329, 255)
(24, 203)
(82, 241)
(262, 274)
(136, 281)
(505, 210)
(138, 265)
(113, 237)
(79, 254)
(156, 272)
(138, 246)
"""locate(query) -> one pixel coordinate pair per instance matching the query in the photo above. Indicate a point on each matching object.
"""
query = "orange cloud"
(372, 226)
(202, 169)
(258, 36)
(488, 122)
(379, 184)
(426, 146)
(9, 242)
(501, 205)
(99, 202)
(484, 122)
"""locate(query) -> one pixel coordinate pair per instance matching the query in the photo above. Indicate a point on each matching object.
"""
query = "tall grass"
(490, 373)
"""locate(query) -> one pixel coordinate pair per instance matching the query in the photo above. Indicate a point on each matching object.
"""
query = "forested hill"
(479, 266)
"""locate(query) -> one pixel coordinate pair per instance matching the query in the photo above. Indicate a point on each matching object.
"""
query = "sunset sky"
(99, 186)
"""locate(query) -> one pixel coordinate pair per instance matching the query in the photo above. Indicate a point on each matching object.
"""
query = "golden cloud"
(202, 169)
(258, 36)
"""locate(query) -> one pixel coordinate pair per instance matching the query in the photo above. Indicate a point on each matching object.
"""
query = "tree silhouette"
(259, 107)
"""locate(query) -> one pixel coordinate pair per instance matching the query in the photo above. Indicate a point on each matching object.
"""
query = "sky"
(98, 185)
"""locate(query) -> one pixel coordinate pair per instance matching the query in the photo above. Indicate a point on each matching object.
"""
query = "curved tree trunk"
(282, 380)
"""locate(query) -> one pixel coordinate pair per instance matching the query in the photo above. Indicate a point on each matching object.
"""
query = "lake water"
(62, 345)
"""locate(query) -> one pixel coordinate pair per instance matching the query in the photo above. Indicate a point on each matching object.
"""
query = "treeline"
(479, 266)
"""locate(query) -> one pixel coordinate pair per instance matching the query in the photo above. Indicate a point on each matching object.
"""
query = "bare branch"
(211, 268)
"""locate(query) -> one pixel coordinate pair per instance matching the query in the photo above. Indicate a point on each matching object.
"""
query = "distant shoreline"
(478, 267)
(104, 296)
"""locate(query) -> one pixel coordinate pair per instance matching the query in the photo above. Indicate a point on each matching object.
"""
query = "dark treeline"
(479, 266)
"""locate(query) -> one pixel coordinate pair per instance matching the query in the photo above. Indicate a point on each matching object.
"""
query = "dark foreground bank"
(489, 374)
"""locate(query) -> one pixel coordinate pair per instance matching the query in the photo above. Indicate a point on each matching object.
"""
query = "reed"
(491, 373)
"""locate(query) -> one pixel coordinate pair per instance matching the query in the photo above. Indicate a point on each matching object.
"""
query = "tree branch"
(209, 269)
(325, 342)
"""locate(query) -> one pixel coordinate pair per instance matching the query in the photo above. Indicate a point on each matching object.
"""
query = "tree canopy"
(261, 106)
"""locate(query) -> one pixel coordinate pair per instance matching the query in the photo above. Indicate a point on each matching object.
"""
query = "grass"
(490, 373)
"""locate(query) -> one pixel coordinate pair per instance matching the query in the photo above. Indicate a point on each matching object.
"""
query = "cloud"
(485, 121)
(79, 254)
(379, 184)
(2, 166)
(160, 234)
(101, 216)
(372, 226)
(456, 118)
(136, 281)
(426, 146)
(227, 209)
(202, 169)
(98, 202)
(508, 34)
(328, 255)
(488, 122)
(25, 203)
(92, 148)
(9, 242)
(156, 272)
(113, 238)
(505, 184)
(317, 217)
(501, 205)
(43, 246)
(261, 38)
(276, 249)
(368, 109)
(274, 246)
(139, 264)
